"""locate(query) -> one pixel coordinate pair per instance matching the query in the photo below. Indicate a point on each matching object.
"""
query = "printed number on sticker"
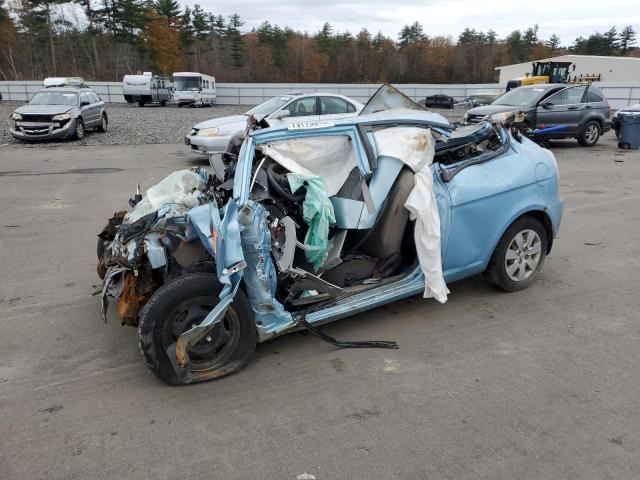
(308, 125)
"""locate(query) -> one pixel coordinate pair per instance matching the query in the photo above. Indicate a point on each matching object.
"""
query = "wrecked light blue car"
(319, 221)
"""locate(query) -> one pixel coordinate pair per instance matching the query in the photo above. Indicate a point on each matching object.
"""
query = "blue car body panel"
(476, 206)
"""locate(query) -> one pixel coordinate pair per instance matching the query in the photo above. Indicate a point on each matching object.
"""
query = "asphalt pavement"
(539, 384)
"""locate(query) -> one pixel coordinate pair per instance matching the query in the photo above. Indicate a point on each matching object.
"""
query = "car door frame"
(301, 119)
(88, 112)
(563, 114)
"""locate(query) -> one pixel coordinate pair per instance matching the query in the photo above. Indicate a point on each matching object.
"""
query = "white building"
(611, 69)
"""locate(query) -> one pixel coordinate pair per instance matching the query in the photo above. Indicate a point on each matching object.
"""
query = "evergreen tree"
(233, 35)
(169, 10)
(553, 44)
(627, 38)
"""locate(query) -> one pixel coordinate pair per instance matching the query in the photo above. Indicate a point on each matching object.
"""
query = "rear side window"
(593, 97)
(568, 96)
(333, 105)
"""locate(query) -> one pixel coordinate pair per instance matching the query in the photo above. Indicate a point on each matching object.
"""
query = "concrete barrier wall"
(619, 94)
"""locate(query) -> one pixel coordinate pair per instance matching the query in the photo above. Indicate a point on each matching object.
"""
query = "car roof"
(66, 89)
(397, 115)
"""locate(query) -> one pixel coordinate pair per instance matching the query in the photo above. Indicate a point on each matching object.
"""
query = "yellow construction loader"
(543, 72)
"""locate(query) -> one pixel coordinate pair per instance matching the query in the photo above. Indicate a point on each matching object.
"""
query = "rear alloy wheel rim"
(523, 255)
(591, 135)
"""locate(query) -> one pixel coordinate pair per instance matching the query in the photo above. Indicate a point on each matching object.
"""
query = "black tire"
(104, 123)
(590, 134)
(100, 248)
(617, 130)
(141, 104)
(80, 132)
(163, 103)
(171, 311)
(497, 272)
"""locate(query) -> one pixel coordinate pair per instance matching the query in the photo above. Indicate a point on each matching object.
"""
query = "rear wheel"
(104, 124)
(177, 307)
(141, 104)
(519, 255)
(590, 134)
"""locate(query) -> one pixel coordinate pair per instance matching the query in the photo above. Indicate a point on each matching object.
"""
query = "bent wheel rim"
(217, 347)
(523, 255)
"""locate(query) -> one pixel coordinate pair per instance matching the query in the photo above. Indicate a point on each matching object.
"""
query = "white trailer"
(146, 88)
(194, 89)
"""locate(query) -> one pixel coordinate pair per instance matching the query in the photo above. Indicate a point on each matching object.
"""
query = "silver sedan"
(213, 136)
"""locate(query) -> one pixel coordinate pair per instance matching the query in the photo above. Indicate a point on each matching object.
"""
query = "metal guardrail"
(619, 94)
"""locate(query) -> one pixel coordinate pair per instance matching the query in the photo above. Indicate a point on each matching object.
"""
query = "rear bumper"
(41, 131)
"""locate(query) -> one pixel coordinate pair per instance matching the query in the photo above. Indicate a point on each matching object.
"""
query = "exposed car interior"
(372, 238)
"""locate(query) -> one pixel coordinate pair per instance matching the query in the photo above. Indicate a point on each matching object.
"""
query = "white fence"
(619, 94)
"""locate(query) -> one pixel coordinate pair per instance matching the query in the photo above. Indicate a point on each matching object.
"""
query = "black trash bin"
(629, 130)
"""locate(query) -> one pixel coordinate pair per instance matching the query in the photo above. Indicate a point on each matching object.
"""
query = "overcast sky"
(567, 18)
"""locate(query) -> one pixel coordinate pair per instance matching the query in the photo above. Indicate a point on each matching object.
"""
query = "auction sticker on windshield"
(309, 125)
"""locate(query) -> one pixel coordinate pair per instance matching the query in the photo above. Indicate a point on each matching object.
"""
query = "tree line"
(106, 39)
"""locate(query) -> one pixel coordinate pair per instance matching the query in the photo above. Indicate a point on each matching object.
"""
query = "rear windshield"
(520, 97)
(54, 98)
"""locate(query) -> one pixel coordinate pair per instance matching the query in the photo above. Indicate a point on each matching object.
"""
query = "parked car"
(439, 101)
(213, 136)
(316, 221)
(59, 113)
(615, 119)
(579, 111)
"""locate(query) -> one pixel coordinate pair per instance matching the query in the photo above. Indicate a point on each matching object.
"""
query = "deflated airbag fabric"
(318, 214)
(415, 147)
(329, 157)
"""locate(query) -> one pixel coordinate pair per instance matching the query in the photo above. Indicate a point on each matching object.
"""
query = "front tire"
(80, 132)
(175, 308)
(590, 134)
(519, 255)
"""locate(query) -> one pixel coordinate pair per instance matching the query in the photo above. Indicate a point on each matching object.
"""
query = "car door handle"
(587, 106)
(572, 108)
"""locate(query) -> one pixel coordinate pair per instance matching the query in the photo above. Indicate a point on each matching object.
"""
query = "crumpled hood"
(491, 109)
(226, 125)
(44, 109)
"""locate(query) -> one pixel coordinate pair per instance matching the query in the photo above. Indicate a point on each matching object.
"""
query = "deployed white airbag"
(329, 157)
(182, 187)
(415, 148)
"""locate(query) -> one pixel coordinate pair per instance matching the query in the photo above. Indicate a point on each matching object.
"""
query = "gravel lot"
(132, 125)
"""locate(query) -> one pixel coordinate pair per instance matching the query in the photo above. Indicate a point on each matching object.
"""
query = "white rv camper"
(192, 88)
(146, 88)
